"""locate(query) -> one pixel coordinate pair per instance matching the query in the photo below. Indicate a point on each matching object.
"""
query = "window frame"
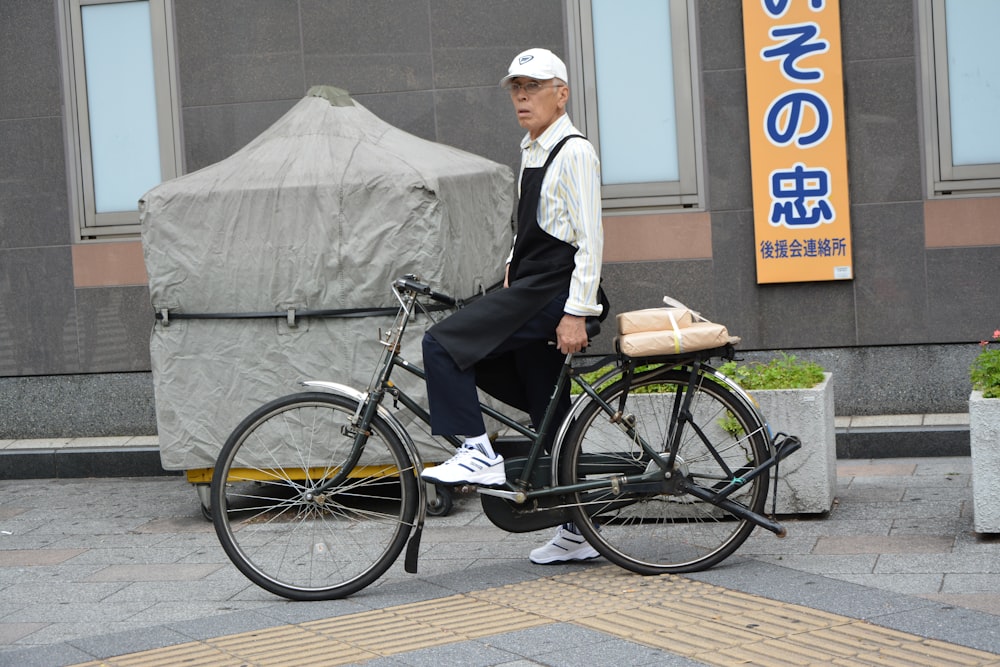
(944, 178)
(688, 192)
(87, 223)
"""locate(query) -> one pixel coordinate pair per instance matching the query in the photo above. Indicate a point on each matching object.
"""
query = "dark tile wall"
(114, 328)
(233, 52)
(630, 286)
(37, 311)
(38, 333)
(883, 135)
(33, 195)
(727, 142)
(822, 313)
(891, 285)
(46, 326)
(877, 30)
(32, 168)
(341, 48)
(899, 285)
(737, 299)
(963, 302)
(431, 67)
(213, 133)
(903, 294)
(29, 85)
(412, 112)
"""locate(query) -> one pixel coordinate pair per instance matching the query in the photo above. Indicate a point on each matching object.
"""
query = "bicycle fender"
(411, 449)
(336, 388)
(356, 395)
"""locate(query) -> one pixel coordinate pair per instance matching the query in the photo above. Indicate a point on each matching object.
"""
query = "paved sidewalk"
(94, 571)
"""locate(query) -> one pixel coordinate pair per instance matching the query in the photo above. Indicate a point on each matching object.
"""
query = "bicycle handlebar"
(409, 282)
(593, 327)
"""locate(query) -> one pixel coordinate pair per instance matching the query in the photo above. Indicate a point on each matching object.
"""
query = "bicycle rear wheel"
(300, 511)
(662, 527)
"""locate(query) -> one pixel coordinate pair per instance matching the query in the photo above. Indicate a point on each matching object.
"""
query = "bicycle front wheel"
(304, 507)
(660, 527)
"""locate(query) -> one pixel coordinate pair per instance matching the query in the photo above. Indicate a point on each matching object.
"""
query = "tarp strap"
(292, 315)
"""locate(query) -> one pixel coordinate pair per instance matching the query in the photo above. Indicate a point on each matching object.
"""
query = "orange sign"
(798, 144)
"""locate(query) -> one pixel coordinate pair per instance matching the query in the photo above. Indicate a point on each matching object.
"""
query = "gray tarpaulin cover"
(321, 211)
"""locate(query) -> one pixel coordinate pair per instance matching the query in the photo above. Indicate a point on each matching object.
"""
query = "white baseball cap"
(539, 64)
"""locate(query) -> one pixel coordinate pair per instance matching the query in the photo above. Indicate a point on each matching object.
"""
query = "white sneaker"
(468, 466)
(565, 546)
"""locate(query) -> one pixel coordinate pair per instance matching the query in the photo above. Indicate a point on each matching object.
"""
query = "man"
(552, 284)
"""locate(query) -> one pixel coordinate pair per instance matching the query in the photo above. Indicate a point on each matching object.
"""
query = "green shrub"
(782, 372)
(648, 389)
(985, 370)
(785, 371)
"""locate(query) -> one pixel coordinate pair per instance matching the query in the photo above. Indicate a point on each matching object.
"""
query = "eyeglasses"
(531, 87)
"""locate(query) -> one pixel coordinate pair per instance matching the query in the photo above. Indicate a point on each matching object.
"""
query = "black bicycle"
(662, 462)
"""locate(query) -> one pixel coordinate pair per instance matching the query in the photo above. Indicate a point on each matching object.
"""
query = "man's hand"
(571, 334)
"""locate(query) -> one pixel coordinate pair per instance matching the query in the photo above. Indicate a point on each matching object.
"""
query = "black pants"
(521, 372)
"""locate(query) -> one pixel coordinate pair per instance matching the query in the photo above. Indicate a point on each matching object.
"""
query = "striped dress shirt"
(569, 207)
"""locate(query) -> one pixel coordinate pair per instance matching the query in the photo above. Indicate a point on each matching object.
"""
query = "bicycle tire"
(443, 503)
(286, 533)
(668, 530)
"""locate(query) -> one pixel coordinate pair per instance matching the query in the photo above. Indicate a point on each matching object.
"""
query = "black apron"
(540, 270)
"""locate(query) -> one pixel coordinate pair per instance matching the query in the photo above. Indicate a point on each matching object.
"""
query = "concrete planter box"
(808, 478)
(808, 481)
(984, 440)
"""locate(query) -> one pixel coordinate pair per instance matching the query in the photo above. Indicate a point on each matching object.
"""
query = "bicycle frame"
(519, 491)
(652, 482)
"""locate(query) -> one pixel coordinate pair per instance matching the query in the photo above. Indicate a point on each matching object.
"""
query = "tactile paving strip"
(700, 621)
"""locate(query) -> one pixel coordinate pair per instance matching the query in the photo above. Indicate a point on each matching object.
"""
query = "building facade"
(922, 165)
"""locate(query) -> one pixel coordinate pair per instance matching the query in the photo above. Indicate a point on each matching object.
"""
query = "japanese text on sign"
(798, 146)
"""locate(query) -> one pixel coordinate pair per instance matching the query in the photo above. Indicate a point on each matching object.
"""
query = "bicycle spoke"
(307, 515)
(666, 529)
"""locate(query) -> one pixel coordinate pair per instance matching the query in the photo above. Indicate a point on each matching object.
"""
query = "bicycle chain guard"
(535, 514)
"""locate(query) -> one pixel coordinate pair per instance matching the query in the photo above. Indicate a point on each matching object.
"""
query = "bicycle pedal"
(513, 496)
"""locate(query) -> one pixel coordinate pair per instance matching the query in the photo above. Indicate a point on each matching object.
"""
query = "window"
(961, 58)
(641, 119)
(123, 131)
